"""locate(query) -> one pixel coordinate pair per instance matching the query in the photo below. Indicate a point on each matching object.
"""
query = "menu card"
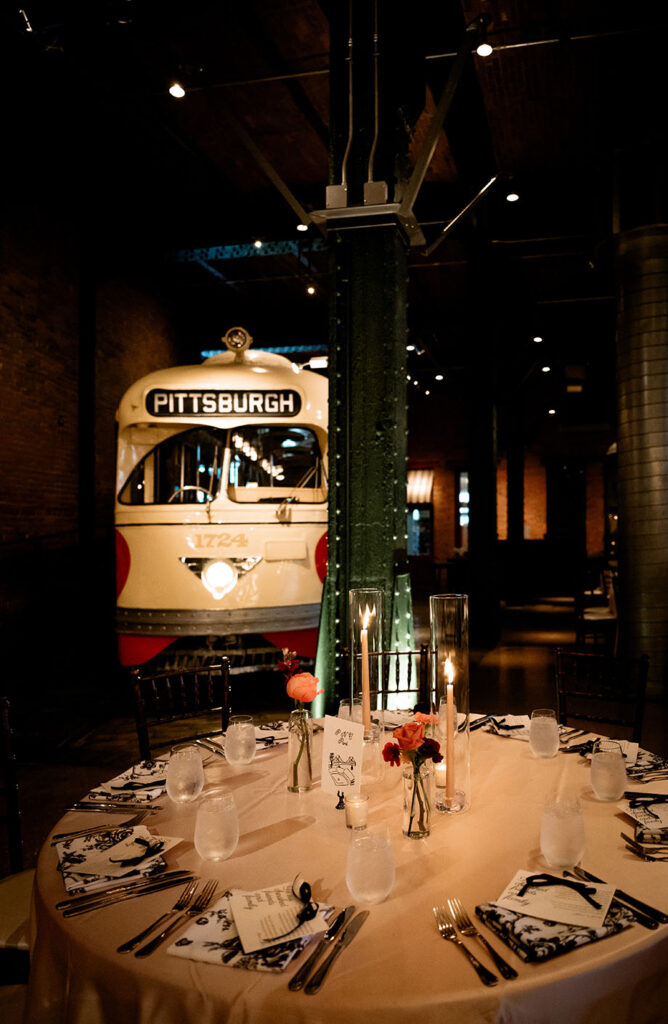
(557, 902)
(651, 815)
(342, 753)
(263, 917)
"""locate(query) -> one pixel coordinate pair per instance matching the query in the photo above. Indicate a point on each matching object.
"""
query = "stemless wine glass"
(216, 825)
(240, 740)
(544, 733)
(608, 774)
(562, 834)
(370, 866)
(184, 777)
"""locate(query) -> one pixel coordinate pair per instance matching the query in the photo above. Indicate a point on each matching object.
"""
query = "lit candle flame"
(449, 670)
(366, 616)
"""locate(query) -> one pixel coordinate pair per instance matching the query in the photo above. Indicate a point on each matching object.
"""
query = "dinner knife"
(180, 874)
(113, 805)
(340, 920)
(346, 937)
(121, 893)
(644, 908)
(642, 919)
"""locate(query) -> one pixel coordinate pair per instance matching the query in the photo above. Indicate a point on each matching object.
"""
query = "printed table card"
(266, 916)
(552, 900)
(342, 753)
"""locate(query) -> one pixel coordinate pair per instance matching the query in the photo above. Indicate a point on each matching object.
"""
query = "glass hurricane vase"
(417, 800)
(300, 761)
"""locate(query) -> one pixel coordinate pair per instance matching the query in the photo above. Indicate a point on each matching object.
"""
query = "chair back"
(10, 789)
(603, 689)
(191, 694)
(403, 678)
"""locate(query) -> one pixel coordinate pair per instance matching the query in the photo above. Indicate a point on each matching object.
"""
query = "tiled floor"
(513, 677)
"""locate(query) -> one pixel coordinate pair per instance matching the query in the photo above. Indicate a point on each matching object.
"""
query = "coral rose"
(410, 735)
(303, 687)
(419, 716)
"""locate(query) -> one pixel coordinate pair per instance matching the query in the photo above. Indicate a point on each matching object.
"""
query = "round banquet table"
(398, 968)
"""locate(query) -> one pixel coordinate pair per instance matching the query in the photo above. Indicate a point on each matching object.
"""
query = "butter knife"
(644, 908)
(340, 920)
(346, 937)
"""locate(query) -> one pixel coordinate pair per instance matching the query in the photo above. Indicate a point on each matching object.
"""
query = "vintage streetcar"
(221, 507)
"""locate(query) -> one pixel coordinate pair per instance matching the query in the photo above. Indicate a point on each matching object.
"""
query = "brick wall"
(595, 499)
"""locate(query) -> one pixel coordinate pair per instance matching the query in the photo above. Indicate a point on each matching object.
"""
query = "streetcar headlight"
(219, 578)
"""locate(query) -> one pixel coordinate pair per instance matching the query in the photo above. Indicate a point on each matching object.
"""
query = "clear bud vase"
(418, 800)
(300, 760)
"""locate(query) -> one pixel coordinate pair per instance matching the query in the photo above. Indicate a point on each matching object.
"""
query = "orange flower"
(409, 736)
(303, 687)
(425, 719)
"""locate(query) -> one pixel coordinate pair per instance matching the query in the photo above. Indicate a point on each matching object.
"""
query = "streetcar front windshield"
(265, 464)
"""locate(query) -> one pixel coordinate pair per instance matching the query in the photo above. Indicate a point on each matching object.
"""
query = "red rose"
(410, 735)
(431, 749)
(391, 753)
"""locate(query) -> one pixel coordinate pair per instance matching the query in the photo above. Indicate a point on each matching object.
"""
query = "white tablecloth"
(398, 968)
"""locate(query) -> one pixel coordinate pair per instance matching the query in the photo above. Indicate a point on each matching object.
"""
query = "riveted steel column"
(642, 375)
(367, 505)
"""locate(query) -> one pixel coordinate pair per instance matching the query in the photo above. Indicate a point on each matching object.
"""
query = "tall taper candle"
(450, 732)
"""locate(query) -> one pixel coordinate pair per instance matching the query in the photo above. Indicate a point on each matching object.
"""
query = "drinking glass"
(184, 777)
(608, 774)
(216, 826)
(544, 733)
(370, 866)
(562, 834)
(372, 759)
(351, 710)
(240, 740)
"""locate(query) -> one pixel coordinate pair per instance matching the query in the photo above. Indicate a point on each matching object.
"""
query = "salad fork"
(106, 827)
(466, 927)
(199, 904)
(181, 904)
(447, 930)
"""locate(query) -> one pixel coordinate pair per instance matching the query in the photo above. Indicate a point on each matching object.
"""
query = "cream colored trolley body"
(221, 503)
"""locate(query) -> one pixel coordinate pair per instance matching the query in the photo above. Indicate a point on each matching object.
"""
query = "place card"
(652, 816)
(264, 916)
(342, 753)
(557, 902)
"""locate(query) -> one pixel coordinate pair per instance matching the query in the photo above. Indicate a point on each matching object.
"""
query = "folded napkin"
(141, 783)
(121, 854)
(647, 762)
(535, 940)
(515, 727)
(270, 734)
(214, 939)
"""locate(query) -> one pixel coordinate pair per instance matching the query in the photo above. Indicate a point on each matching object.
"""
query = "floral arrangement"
(413, 747)
(302, 687)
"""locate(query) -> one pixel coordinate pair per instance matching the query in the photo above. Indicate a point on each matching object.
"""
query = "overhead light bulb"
(439, 376)
(302, 227)
(512, 197)
(537, 338)
(310, 290)
(552, 412)
(546, 369)
(177, 91)
(257, 243)
(483, 49)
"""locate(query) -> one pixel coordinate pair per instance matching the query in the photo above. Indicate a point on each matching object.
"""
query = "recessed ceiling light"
(512, 197)
(537, 338)
(483, 49)
(302, 227)
(439, 376)
(546, 369)
(176, 90)
(552, 412)
(257, 243)
(310, 290)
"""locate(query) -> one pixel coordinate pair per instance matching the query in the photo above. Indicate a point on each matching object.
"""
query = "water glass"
(544, 733)
(608, 773)
(351, 710)
(216, 826)
(370, 866)
(562, 834)
(240, 740)
(372, 758)
(184, 777)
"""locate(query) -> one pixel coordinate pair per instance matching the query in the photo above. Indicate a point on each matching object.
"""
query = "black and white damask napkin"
(535, 940)
(120, 854)
(141, 783)
(213, 938)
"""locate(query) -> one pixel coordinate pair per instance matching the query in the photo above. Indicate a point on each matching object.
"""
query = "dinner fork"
(466, 927)
(181, 904)
(199, 904)
(92, 829)
(447, 930)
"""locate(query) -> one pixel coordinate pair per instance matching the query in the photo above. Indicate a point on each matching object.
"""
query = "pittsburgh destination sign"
(168, 402)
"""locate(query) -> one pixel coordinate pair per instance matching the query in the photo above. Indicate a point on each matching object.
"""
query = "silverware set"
(448, 932)
(181, 904)
(467, 928)
(298, 981)
(345, 938)
(646, 851)
(92, 829)
(195, 905)
(88, 901)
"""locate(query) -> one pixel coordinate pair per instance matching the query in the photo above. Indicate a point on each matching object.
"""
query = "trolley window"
(185, 469)
(275, 463)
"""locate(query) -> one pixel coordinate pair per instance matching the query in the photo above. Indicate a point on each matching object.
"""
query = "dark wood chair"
(600, 689)
(596, 615)
(16, 887)
(165, 700)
